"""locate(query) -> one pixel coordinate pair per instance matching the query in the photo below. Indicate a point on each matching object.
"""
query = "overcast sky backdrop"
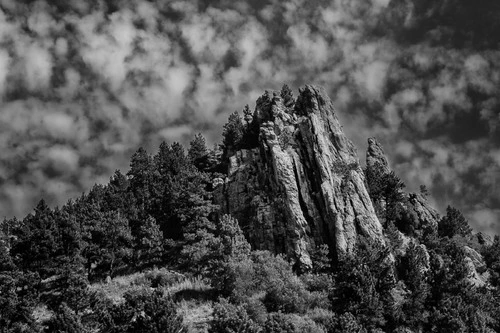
(83, 84)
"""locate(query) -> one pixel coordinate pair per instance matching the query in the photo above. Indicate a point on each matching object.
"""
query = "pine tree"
(197, 148)
(140, 179)
(110, 243)
(247, 116)
(158, 315)
(454, 223)
(38, 241)
(65, 320)
(149, 242)
(198, 152)
(287, 96)
(232, 134)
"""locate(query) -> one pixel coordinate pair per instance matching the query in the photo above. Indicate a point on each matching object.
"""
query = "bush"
(284, 290)
(290, 323)
(324, 318)
(230, 318)
(256, 310)
(236, 280)
(142, 312)
(65, 320)
(162, 278)
(278, 323)
(158, 314)
(348, 323)
(289, 298)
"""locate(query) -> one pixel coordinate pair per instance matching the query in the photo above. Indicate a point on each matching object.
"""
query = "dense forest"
(150, 251)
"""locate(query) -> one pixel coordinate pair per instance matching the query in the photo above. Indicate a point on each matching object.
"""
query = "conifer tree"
(287, 96)
(38, 241)
(198, 152)
(232, 133)
(454, 223)
(140, 179)
(197, 148)
(65, 320)
(149, 242)
(247, 116)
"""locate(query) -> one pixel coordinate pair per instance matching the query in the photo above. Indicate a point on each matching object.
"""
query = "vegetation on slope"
(89, 266)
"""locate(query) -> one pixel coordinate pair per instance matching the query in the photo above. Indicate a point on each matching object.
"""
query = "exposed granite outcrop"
(303, 185)
(375, 155)
(415, 206)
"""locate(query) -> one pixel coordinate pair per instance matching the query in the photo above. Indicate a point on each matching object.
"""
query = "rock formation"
(302, 185)
(375, 155)
(416, 207)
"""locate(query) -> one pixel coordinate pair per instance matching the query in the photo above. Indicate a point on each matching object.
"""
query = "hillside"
(277, 229)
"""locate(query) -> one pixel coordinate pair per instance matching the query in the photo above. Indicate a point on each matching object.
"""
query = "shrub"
(290, 323)
(142, 312)
(284, 290)
(230, 318)
(324, 318)
(65, 320)
(348, 323)
(256, 310)
(290, 298)
(278, 323)
(158, 314)
(163, 277)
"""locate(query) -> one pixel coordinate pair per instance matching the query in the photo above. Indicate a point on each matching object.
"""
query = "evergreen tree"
(416, 279)
(197, 148)
(149, 242)
(232, 134)
(454, 223)
(65, 321)
(247, 116)
(230, 318)
(158, 314)
(364, 284)
(17, 300)
(118, 196)
(38, 241)
(198, 152)
(140, 178)
(491, 256)
(110, 243)
(287, 96)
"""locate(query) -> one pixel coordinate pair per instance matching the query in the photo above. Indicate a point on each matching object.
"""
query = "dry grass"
(197, 315)
(41, 313)
(114, 289)
(175, 284)
(196, 283)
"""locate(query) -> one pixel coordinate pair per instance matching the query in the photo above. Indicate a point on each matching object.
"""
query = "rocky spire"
(416, 205)
(375, 155)
(303, 185)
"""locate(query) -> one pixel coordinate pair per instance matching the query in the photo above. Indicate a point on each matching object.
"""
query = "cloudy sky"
(83, 84)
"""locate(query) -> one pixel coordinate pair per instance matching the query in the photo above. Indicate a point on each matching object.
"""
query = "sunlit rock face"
(415, 207)
(302, 185)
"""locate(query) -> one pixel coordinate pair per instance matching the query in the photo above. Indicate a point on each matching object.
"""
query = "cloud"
(486, 220)
(4, 70)
(84, 84)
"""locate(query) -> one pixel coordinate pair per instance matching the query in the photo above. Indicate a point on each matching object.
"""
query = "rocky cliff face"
(375, 155)
(302, 185)
(415, 207)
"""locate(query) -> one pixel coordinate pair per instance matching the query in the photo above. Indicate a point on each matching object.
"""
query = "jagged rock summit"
(302, 184)
(375, 155)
